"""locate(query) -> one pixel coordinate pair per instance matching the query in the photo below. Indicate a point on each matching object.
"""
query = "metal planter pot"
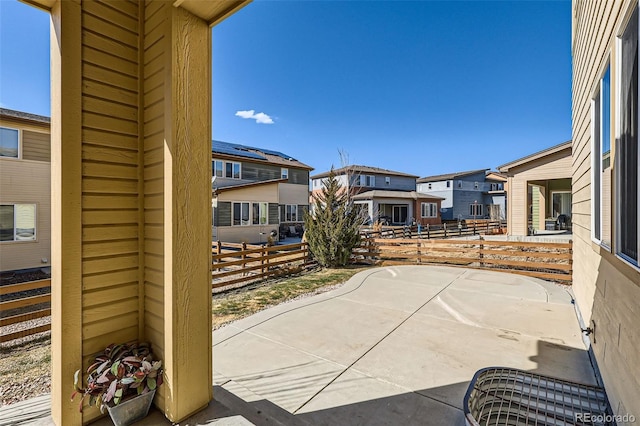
(131, 410)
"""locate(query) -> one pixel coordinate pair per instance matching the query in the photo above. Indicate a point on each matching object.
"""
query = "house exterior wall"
(27, 180)
(607, 289)
(462, 192)
(396, 183)
(254, 172)
(289, 193)
(223, 230)
(554, 166)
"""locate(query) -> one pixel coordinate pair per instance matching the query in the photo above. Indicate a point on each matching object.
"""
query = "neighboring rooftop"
(256, 154)
(536, 155)
(449, 176)
(363, 169)
(377, 193)
(11, 113)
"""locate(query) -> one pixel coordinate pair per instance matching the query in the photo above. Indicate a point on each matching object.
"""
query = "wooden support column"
(186, 218)
(66, 213)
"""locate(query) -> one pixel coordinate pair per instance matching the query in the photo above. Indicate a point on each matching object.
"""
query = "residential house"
(468, 195)
(539, 187)
(25, 191)
(385, 195)
(606, 191)
(256, 191)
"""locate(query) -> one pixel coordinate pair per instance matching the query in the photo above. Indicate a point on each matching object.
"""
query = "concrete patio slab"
(394, 345)
(374, 402)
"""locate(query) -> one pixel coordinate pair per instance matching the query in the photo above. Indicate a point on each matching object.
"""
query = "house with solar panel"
(256, 191)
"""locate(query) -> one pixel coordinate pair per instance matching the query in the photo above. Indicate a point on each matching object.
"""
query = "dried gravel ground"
(25, 368)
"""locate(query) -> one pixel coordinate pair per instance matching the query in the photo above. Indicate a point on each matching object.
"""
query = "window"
(429, 209)
(494, 186)
(475, 209)
(448, 184)
(218, 168)
(459, 184)
(284, 173)
(627, 152)
(601, 162)
(288, 213)
(367, 180)
(240, 214)
(292, 213)
(9, 142)
(475, 185)
(17, 222)
(428, 186)
(228, 169)
(387, 180)
(259, 213)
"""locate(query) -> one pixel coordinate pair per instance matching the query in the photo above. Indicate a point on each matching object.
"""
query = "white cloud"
(261, 117)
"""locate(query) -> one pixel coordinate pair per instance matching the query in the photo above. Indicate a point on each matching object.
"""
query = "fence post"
(481, 256)
(428, 232)
(445, 230)
(419, 259)
(474, 227)
(487, 227)
(219, 249)
(262, 254)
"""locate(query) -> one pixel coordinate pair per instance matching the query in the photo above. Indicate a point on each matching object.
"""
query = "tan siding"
(607, 290)
(36, 146)
(27, 182)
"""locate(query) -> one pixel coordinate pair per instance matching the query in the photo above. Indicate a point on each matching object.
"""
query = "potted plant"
(123, 379)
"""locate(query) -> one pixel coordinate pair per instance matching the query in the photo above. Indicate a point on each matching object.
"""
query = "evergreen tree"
(333, 229)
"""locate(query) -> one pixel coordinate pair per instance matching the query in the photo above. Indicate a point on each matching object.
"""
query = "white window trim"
(435, 209)
(224, 168)
(260, 204)
(479, 206)
(284, 206)
(284, 173)
(19, 157)
(35, 220)
(232, 213)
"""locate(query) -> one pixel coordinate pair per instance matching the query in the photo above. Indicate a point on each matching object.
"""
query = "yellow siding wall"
(27, 182)
(607, 290)
(110, 198)
(267, 193)
(156, 43)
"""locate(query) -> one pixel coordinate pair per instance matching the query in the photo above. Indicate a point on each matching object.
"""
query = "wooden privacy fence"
(445, 230)
(20, 304)
(545, 260)
(244, 265)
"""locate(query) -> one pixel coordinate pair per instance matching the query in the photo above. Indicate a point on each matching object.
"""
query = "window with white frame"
(227, 169)
(260, 213)
(601, 161)
(448, 184)
(627, 211)
(475, 209)
(367, 180)
(289, 213)
(17, 222)
(9, 142)
(284, 173)
(240, 216)
(429, 186)
(387, 180)
(429, 210)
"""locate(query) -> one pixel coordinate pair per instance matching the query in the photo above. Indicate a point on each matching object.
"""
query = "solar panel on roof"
(233, 149)
(244, 151)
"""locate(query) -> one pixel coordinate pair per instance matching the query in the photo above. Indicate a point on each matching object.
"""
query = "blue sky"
(423, 87)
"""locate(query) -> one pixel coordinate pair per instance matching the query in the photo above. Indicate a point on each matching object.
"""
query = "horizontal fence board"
(24, 317)
(24, 333)
(26, 301)
(31, 285)
(551, 261)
